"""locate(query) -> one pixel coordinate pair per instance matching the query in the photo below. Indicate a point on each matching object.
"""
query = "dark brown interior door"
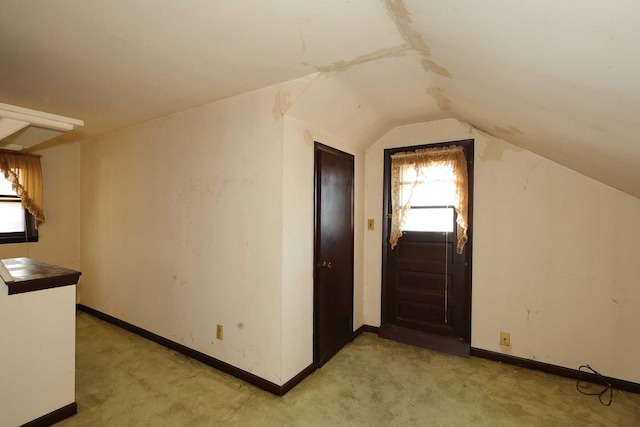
(426, 284)
(333, 272)
(426, 278)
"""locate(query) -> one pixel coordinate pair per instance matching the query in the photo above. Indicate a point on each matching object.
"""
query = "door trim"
(468, 147)
(316, 209)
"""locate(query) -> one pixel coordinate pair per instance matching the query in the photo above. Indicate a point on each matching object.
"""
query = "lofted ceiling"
(556, 78)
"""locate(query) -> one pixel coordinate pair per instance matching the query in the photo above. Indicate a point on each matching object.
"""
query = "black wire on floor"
(607, 387)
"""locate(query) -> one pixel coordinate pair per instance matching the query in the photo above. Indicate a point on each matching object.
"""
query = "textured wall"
(181, 228)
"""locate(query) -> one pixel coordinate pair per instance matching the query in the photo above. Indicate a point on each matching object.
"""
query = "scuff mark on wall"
(304, 45)
(431, 66)
(509, 130)
(380, 53)
(529, 174)
(402, 18)
(443, 102)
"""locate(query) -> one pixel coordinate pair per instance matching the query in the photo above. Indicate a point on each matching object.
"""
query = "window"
(425, 184)
(430, 192)
(16, 223)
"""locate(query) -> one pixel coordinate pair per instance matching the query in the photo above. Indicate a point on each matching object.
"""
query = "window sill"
(16, 238)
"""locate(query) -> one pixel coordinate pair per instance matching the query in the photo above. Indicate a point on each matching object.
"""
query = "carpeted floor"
(125, 380)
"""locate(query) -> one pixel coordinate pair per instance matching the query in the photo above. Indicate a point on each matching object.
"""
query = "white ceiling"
(556, 77)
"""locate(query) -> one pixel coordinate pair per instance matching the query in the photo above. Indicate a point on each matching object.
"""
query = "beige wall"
(59, 236)
(554, 254)
(297, 239)
(182, 228)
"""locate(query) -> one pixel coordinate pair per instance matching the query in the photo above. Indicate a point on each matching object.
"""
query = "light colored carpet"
(125, 380)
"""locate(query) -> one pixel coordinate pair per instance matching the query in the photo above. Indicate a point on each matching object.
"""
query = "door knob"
(326, 264)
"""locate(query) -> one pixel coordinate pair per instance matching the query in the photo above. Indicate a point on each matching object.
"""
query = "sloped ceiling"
(556, 78)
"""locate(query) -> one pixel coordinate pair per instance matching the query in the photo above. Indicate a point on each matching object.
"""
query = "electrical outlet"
(219, 332)
(370, 224)
(505, 339)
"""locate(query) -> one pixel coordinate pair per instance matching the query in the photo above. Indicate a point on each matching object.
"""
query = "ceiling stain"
(443, 102)
(362, 59)
(431, 66)
(495, 148)
(402, 19)
(509, 130)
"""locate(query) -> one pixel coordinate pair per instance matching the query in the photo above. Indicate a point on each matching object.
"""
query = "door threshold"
(426, 340)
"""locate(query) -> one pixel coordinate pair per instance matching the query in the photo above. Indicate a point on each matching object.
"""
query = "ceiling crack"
(304, 45)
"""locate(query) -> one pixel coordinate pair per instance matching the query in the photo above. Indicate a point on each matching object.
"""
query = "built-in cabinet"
(37, 342)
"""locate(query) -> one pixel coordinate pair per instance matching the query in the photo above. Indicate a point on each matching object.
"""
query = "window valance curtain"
(25, 173)
(451, 157)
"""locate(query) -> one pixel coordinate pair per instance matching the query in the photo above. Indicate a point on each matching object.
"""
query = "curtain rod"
(427, 151)
(20, 153)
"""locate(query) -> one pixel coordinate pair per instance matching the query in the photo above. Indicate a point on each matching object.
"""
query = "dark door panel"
(424, 274)
(424, 250)
(333, 272)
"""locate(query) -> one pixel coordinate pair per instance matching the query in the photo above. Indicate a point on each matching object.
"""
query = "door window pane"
(429, 186)
(429, 219)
